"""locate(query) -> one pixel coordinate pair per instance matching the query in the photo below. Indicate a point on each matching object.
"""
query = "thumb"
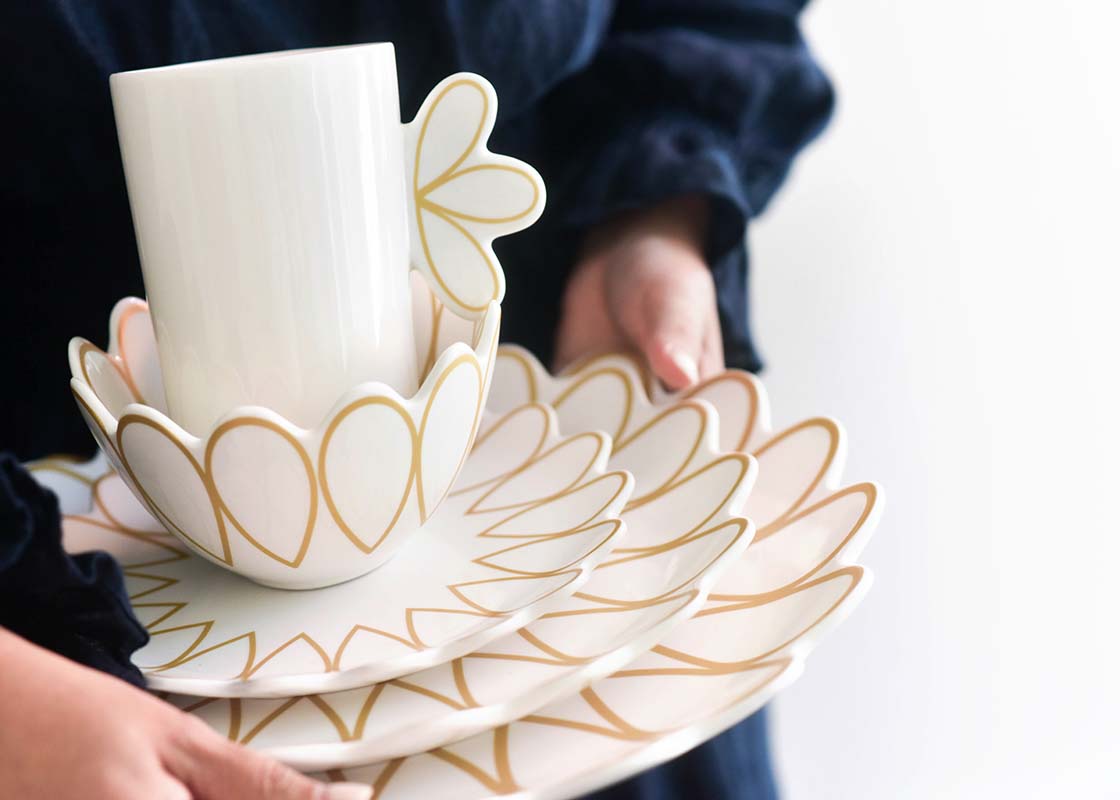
(669, 331)
(216, 769)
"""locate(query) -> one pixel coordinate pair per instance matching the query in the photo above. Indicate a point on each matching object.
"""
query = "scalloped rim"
(484, 351)
(459, 724)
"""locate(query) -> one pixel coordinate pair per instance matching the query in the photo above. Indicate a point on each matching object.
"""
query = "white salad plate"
(748, 643)
(486, 563)
(797, 580)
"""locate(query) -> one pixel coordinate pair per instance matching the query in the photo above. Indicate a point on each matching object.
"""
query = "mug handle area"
(461, 197)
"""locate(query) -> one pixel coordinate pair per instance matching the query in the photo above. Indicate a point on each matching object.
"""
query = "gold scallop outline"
(130, 311)
(212, 442)
(617, 475)
(585, 378)
(418, 447)
(252, 663)
(659, 418)
(834, 436)
(324, 446)
(754, 403)
(854, 574)
(114, 361)
(136, 306)
(601, 445)
(548, 430)
(485, 560)
(422, 203)
(871, 495)
(740, 523)
(136, 419)
(555, 657)
(744, 462)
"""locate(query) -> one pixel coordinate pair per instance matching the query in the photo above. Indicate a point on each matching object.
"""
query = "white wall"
(942, 276)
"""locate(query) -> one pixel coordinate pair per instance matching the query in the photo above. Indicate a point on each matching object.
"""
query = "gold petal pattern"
(494, 583)
(462, 196)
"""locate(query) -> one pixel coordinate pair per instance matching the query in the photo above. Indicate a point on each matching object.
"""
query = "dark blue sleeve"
(709, 96)
(74, 605)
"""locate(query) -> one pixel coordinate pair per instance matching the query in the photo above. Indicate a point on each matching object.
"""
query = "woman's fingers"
(665, 306)
(711, 360)
(216, 769)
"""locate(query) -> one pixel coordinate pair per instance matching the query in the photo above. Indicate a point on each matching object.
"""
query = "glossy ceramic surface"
(748, 643)
(680, 536)
(486, 563)
(287, 506)
(797, 580)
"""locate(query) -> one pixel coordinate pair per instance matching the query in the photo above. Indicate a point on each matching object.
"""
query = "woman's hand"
(68, 732)
(641, 284)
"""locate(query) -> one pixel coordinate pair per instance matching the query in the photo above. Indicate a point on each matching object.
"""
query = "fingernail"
(685, 363)
(349, 791)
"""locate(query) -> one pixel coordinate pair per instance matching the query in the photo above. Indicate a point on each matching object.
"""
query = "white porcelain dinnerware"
(287, 506)
(769, 608)
(486, 563)
(749, 643)
(798, 579)
(678, 541)
(278, 203)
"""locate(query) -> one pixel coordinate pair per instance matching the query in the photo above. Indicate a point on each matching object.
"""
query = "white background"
(941, 274)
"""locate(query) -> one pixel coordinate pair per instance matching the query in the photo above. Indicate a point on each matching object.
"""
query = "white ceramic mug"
(269, 200)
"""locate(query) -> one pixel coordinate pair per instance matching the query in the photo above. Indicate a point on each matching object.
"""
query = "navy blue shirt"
(618, 104)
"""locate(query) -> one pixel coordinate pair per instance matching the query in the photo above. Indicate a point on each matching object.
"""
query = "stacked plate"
(604, 544)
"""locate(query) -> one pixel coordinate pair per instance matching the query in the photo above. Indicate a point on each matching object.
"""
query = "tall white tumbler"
(268, 198)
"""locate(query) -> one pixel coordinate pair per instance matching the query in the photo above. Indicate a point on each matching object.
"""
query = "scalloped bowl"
(282, 505)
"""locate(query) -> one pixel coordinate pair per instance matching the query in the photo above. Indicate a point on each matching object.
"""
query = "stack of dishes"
(503, 582)
(603, 544)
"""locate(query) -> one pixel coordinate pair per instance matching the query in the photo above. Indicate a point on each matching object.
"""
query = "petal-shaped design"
(676, 706)
(104, 373)
(173, 485)
(447, 428)
(455, 120)
(133, 339)
(493, 595)
(793, 466)
(636, 577)
(550, 474)
(462, 197)
(740, 404)
(819, 535)
(248, 459)
(600, 396)
(360, 441)
(598, 497)
(475, 277)
(566, 637)
(299, 654)
(544, 555)
(683, 508)
(486, 193)
(765, 627)
(509, 443)
(662, 448)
